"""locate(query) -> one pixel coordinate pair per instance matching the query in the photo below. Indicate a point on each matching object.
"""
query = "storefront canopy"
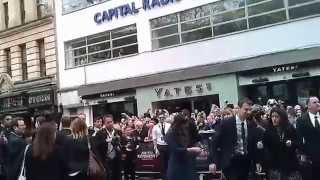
(245, 64)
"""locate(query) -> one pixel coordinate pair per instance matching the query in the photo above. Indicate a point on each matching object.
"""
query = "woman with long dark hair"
(280, 141)
(44, 159)
(181, 164)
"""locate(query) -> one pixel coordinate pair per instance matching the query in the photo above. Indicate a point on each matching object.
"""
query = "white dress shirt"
(240, 147)
(157, 133)
(313, 119)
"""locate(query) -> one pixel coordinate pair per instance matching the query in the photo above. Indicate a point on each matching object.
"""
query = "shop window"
(259, 94)
(280, 91)
(103, 46)
(305, 89)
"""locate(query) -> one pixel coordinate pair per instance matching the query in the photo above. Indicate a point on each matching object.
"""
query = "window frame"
(71, 10)
(70, 60)
(285, 9)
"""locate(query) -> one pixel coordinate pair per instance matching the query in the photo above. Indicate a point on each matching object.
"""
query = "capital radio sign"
(129, 9)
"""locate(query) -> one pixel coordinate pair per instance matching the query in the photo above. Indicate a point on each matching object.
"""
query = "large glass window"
(73, 5)
(307, 9)
(102, 46)
(226, 17)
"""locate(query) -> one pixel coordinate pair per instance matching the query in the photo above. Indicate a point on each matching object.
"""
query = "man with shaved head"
(308, 128)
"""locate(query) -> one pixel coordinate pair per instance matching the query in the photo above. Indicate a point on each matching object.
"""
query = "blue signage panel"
(129, 9)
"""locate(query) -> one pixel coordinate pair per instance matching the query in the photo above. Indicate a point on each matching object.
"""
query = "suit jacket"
(62, 136)
(100, 146)
(16, 146)
(225, 141)
(309, 138)
(78, 154)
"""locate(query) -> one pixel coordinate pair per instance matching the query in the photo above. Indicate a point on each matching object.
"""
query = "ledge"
(24, 27)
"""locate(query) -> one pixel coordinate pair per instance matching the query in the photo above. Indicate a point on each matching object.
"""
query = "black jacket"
(309, 138)
(3, 151)
(281, 156)
(16, 146)
(193, 130)
(100, 145)
(62, 136)
(53, 168)
(225, 141)
(78, 154)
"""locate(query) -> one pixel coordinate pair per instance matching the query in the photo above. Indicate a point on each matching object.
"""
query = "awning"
(279, 58)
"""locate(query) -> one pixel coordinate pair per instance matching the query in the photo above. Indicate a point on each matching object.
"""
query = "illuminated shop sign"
(129, 9)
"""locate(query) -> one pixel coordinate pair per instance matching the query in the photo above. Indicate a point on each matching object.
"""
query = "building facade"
(131, 56)
(27, 57)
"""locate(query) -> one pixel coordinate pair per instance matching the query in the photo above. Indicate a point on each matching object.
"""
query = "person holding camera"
(107, 147)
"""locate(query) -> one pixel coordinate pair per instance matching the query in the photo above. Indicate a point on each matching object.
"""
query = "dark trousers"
(316, 171)
(238, 169)
(164, 159)
(113, 168)
(129, 165)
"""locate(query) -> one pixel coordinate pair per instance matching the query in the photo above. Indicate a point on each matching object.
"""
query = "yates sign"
(129, 9)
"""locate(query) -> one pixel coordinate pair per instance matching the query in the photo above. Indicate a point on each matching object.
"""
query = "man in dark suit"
(308, 128)
(107, 147)
(16, 146)
(235, 144)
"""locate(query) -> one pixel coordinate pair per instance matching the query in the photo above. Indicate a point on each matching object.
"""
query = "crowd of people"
(250, 141)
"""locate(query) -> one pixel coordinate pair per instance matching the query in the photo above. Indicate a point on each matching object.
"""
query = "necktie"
(162, 129)
(316, 123)
(243, 137)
